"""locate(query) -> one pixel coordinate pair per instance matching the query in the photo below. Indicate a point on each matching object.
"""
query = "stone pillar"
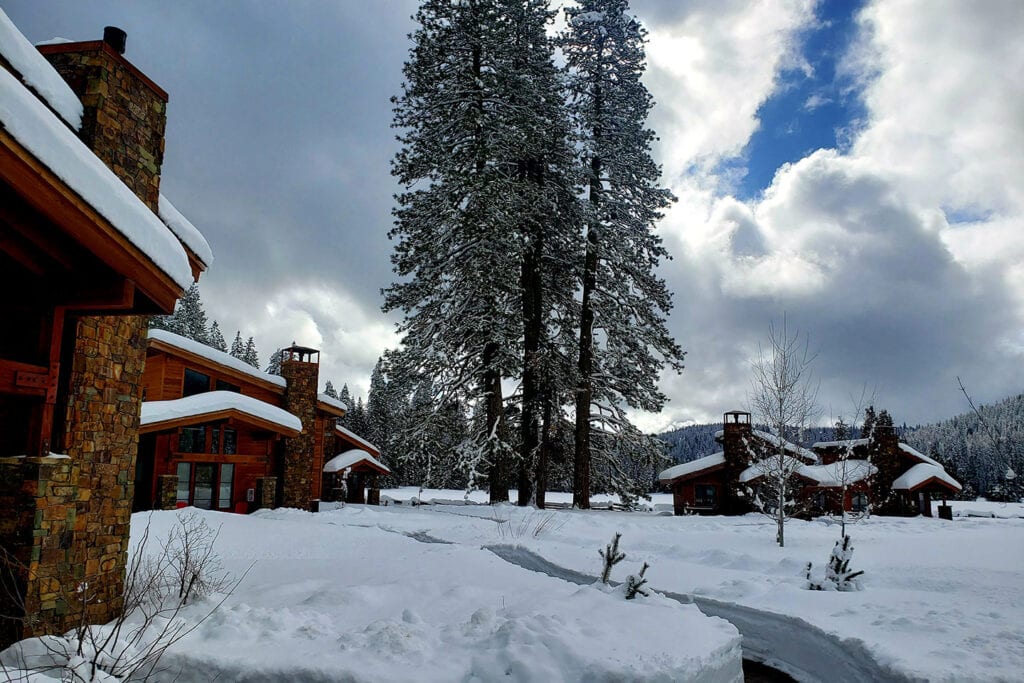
(39, 571)
(102, 435)
(300, 400)
(266, 492)
(167, 492)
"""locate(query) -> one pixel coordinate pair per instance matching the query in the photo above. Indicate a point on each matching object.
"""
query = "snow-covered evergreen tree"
(238, 346)
(345, 397)
(623, 340)
(188, 319)
(329, 390)
(217, 338)
(464, 132)
(273, 365)
(249, 355)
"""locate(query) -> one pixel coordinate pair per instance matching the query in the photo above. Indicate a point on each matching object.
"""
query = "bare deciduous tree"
(158, 586)
(783, 397)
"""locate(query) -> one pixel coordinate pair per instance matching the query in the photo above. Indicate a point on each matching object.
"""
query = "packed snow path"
(786, 643)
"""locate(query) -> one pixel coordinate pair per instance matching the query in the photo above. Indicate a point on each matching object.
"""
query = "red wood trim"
(23, 378)
(217, 458)
(329, 409)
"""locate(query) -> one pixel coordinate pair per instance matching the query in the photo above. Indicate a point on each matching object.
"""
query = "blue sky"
(813, 106)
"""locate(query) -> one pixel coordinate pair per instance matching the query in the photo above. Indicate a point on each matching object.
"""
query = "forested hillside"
(979, 454)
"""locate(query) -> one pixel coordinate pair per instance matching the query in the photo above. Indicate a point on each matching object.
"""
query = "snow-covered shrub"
(838, 576)
(635, 584)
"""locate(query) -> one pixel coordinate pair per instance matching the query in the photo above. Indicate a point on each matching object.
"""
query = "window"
(859, 502)
(184, 481)
(192, 439)
(221, 385)
(705, 495)
(195, 383)
(227, 473)
(230, 441)
(820, 500)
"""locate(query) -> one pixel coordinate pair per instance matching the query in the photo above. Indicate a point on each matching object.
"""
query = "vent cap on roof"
(115, 38)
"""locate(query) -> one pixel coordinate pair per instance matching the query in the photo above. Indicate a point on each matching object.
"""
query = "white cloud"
(856, 246)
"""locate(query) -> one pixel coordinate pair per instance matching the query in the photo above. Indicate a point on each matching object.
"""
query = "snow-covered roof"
(37, 73)
(786, 445)
(352, 457)
(333, 402)
(834, 473)
(358, 439)
(36, 129)
(185, 231)
(214, 356)
(697, 465)
(822, 475)
(922, 472)
(913, 452)
(843, 443)
(197, 405)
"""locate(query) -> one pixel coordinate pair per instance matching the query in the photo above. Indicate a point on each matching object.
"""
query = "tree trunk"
(542, 454)
(585, 367)
(533, 321)
(495, 447)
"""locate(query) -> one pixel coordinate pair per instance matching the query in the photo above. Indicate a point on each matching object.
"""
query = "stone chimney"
(737, 431)
(125, 112)
(300, 366)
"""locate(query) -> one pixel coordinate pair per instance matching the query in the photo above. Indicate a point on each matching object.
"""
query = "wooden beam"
(23, 379)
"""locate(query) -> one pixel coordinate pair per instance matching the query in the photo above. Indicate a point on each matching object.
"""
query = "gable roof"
(55, 147)
(355, 458)
(216, 405)
(187, 348)
(827, 476)
(693, 467)
(923, 474)
(356, 439)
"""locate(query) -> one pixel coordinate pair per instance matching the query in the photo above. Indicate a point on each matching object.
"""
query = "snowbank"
(334, 596)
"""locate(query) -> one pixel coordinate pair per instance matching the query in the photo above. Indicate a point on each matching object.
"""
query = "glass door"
(202, 492)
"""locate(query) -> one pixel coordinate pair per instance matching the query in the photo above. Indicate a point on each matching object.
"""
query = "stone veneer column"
(167, 492)
(266, 492)
(38, 567)
(300, 400)
(102, 435)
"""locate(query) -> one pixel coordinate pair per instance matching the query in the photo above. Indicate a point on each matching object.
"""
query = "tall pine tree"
(457, 224)
(217, 338)
(623, 340)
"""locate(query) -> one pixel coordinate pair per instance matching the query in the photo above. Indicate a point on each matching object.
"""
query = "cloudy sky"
(858, 166)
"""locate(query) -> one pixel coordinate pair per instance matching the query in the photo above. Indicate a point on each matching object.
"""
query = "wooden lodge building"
(880, 473)
(86, 255)
(219, 434)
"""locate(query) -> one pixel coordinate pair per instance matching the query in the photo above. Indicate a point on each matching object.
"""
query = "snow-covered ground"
(365, 593)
